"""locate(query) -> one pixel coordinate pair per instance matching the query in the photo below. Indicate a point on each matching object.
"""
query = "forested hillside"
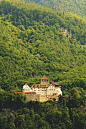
(74, 6)
(37, 41)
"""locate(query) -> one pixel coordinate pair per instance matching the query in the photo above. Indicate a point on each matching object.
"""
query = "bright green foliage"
(34, 41)
(37, 41)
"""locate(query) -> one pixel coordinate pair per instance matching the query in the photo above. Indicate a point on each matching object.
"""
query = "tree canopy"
(77, 7)
(37, 41)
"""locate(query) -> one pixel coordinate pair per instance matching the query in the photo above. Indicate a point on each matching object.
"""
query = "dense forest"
(15, 113)
(74, 6)
(37, 41)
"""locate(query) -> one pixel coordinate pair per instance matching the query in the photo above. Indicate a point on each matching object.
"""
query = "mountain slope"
(74, 6)
(37, 41)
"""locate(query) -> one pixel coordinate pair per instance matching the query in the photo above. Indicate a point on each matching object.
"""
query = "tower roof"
(44, 78)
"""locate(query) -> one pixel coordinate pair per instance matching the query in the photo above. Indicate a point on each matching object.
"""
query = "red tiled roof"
(56, 84)
(44, 78)
(36, 86)
(45, 86)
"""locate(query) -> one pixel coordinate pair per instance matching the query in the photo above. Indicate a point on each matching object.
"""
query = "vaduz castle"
(43, 91)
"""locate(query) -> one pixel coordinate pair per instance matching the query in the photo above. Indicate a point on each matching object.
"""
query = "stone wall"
(31, 96)
(40, 98)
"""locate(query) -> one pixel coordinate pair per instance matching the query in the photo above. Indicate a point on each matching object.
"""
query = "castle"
(42, 92)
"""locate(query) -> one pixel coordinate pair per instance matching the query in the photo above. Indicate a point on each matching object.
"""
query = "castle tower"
(44, 81)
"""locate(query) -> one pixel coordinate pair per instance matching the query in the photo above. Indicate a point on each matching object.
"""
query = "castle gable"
(26, 88)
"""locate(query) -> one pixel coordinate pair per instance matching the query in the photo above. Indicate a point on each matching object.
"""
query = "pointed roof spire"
(44, 78)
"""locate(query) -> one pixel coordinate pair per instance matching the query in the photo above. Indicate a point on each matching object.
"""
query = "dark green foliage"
(12, 99)
(63, 114)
